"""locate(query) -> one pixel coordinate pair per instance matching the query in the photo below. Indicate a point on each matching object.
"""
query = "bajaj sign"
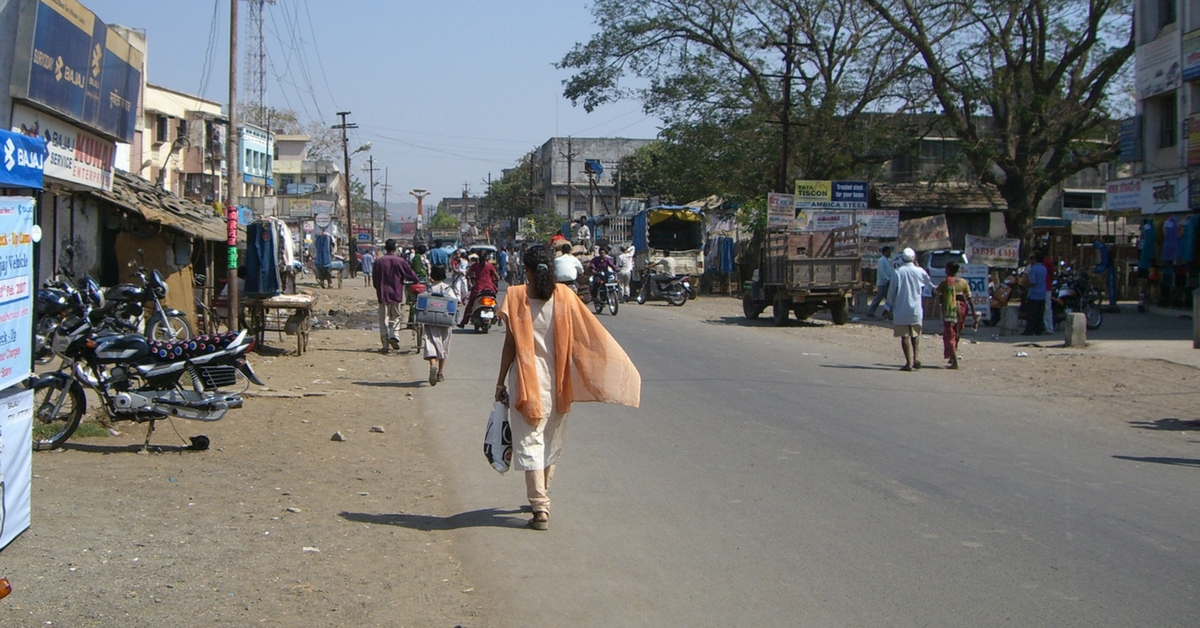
(24, 158)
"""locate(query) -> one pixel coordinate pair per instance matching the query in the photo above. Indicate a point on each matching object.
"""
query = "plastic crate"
(434, 310)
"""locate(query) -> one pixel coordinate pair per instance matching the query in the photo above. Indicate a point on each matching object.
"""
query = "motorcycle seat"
(172, 350)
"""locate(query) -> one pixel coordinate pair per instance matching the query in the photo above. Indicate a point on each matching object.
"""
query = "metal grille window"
(1168, 121)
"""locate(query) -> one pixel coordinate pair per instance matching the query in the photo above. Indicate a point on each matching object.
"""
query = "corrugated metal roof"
(160, 207)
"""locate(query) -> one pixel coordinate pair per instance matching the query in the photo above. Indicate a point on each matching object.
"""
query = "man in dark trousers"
(390, 273)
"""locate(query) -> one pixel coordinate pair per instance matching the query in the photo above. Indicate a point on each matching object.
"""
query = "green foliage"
(443, 220)
(753, 215)
(542, 226)
(509, 196)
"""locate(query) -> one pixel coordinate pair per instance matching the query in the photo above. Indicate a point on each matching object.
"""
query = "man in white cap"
(904, 293)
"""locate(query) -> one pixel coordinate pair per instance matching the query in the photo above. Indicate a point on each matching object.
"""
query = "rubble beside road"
(275, 525)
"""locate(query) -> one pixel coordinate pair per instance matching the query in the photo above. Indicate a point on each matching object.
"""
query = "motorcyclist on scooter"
(484, 280)
(599, 266)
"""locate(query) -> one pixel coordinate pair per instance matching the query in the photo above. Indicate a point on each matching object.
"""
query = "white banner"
(878, 223)
(823, 219)
(781, 210)
(75, 155)
(16, 450)
(998, 252)
(1123, 194)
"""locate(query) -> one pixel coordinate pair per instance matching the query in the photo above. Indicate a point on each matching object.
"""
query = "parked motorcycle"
(606, 292)
(138, 379)
(483, 315)
(140, 308)
(1073, 292)
(675, 290)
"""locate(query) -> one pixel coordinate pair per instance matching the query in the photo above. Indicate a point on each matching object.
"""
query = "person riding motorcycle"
(597, 268)
(484, 280)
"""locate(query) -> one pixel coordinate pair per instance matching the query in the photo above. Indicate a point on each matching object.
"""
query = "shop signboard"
(1123, 194)
(781, 212)
(1193, 137)
(22, 160)
(823, 219)
(1191, 55)
(74, 155)
(70, 62)
(1131, 139)
(878, 223)
(322, 220)
(977, 277)
(1157, 67)
(830, 195)
(1164, 194)
(301, 208)
(16, 462)
(16, 288)
(994, 252)
(925, 234)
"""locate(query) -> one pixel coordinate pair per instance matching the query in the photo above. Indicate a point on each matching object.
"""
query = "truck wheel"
(749, 309)
(840, 312)
(779, 311)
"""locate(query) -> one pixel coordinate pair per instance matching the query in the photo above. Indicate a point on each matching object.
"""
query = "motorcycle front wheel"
(58, 405)
(1095, 316)
(598, 302)
(612, 302)
(165, 328)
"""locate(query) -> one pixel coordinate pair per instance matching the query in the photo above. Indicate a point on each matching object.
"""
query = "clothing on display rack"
(262, 264)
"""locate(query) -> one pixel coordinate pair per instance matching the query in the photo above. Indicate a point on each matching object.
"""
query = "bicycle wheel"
(58, 405)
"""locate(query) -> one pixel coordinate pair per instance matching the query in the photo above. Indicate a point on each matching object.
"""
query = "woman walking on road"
(437, 337)
(562, 354)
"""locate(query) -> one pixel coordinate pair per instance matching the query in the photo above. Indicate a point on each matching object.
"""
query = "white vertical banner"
(16, 451)
(977, 277)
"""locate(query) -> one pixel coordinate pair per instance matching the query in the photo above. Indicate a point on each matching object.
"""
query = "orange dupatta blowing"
(589, 365)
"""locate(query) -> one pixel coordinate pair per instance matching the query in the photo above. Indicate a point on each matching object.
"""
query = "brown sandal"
(540, 521)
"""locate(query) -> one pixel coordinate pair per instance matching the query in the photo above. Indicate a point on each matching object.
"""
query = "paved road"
(769, 480)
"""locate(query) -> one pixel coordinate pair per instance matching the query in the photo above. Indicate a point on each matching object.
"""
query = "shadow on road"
(1182, 462)
(742, 321)
(1167, 425)
(127, 449)
(415, 384)
(485, 518)
(864, 367)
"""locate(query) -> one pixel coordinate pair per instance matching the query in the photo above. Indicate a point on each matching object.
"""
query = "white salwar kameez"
(538, 447)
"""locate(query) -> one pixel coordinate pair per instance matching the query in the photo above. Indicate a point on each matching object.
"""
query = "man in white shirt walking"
(625, 270)
(884, 271)
(904, 293)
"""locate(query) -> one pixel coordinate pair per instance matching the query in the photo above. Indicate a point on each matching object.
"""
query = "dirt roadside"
(275, 525)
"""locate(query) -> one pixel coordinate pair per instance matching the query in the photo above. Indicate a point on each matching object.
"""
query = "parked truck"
(674, 231)
(805, 273)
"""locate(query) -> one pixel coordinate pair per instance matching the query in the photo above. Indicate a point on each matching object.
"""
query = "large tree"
(827, 81)
(509, 196)
(1026, 85)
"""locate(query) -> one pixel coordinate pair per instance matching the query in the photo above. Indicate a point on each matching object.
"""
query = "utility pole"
(370, 168)
(351, 250)
(383, 228)
(570, 156)
(231, 156)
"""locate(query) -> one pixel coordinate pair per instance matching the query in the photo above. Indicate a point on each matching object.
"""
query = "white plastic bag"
(497, 442)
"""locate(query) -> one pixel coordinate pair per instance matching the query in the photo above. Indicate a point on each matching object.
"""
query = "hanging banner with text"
(823, 219)
(878, 223)
(977, 277)
(925, 234)
(16, 460)
(16, 294)
(781, 210)
(831, 195)
(995, 252)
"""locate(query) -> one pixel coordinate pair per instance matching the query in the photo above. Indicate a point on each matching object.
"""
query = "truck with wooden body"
(674, 231)
(804, 273)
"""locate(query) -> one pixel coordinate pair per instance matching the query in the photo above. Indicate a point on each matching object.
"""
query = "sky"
(448, 92)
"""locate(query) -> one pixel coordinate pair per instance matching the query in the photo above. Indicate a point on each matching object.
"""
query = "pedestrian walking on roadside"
(502, 263)
(437, 337)
(391, 271)
(955, 295)
(555, 353)
(625, 270)
(884, 271)
(907, 311)
(1036, 298)
(368, 264)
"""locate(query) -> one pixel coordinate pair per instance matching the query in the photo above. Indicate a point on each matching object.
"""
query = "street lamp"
(420, 194)
(370, 168)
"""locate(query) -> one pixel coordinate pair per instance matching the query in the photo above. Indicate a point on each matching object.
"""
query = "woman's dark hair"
(539, 261)
(420, 249)
(951, 269)
(438, 272)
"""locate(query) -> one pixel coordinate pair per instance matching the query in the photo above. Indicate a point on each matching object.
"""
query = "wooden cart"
(289, 314)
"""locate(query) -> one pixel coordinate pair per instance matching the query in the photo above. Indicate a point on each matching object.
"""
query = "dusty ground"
(277, 525)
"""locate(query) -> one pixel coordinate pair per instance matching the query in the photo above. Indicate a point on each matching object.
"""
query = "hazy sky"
(447, 91)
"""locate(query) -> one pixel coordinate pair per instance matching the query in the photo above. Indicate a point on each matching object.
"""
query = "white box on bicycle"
(434, 310)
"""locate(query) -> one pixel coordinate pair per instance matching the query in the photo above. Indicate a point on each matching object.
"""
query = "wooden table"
(289, 314)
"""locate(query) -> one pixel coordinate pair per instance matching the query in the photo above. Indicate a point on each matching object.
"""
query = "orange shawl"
(589, 365)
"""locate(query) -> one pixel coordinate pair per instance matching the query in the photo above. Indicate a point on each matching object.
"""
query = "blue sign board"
(16, 289)
(1131, 139)
(850, 194)
(73, 64)
(22, 160)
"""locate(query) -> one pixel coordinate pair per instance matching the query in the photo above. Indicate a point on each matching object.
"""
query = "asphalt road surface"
(771, 480)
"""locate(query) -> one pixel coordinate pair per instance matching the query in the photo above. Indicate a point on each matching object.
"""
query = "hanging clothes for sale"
(1170, 241)
(1146, 248)
(262, 259)
(725, 246)
(1187, 242)
(323, 250)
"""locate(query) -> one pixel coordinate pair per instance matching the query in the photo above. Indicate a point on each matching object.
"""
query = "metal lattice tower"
(256, 58)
